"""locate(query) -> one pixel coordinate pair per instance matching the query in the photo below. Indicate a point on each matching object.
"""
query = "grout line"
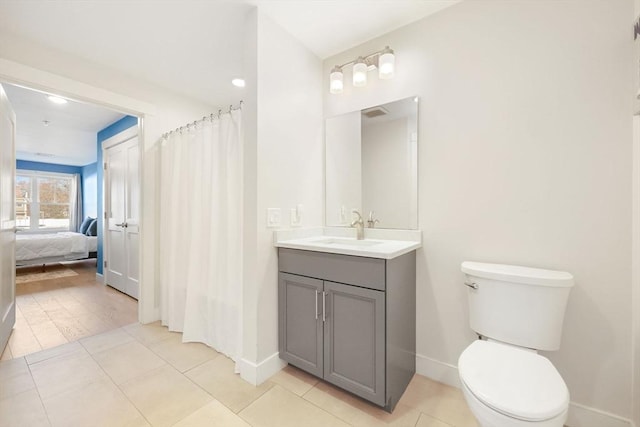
(118, 385)
(46, 413)
(321, 408)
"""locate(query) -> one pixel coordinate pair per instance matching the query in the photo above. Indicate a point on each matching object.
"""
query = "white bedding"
(92, 243)
(66, 244)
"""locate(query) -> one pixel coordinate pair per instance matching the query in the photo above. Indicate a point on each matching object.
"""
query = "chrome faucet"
(372, 222)
(358, 224)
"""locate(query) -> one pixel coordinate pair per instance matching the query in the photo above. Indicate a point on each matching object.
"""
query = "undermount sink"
(346, 242)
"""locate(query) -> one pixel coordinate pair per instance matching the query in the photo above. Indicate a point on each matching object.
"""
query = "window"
(43, 200)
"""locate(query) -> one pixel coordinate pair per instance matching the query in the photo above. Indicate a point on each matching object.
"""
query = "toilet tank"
(518, 305)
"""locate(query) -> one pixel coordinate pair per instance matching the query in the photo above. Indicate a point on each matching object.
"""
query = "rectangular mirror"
(372, 165)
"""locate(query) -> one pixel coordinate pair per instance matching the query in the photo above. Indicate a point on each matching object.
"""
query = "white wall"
(287, 152)
(636, 231)
(524, 158)
(43, 68)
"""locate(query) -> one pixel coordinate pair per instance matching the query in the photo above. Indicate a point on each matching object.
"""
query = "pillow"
(85, 225)
(92, 230)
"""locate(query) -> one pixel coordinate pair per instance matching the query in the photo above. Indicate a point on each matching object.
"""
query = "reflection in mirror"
(372, 166)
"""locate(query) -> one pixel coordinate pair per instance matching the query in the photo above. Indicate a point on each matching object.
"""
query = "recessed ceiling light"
(46, 122)
(57, 99)
(238, 82)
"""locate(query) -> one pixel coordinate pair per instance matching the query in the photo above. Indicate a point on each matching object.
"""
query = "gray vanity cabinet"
(354, 340)
(303, 342)
(336, 313)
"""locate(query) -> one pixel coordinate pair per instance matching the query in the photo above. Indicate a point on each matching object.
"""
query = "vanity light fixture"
(383, 60)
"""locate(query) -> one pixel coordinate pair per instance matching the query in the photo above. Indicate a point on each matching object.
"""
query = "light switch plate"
(296, 215)
(274, 217)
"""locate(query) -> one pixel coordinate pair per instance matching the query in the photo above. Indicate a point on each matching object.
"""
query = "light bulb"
(57, 99)
(386, 64)
(336, 82)
(359, 73)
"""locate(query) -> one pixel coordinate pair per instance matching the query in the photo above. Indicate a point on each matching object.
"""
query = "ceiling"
(328, 27)
(157, 40)
(70, 137)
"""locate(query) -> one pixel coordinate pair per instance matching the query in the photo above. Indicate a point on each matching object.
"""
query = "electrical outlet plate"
(274, 217)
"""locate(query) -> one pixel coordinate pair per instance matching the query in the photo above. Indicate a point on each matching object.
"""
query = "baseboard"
(100, 278)
(584, 416)
(579, 415)
(438, 371)
(148, 317)
(258, 373)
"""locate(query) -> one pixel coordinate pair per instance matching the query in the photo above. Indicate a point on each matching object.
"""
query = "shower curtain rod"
(203, 119)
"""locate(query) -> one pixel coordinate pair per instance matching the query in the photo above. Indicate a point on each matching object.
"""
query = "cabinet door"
(300, 322)
(354, 356)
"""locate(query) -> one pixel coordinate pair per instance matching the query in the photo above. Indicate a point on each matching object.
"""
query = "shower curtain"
(200, 232)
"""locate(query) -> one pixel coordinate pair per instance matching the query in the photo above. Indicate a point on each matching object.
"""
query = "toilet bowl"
(506, 386)
(516, 311)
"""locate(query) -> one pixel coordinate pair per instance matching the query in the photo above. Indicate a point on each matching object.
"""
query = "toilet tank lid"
(516, 382)
(518, 274)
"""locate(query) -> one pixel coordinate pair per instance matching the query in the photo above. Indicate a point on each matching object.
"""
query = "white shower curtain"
(201, 233)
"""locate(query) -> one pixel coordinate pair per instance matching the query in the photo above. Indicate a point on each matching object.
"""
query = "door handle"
(123, 225)
(324, 306)
(316, 304)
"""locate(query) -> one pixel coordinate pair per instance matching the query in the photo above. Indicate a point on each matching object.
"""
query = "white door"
(7, 219)
(122, 231)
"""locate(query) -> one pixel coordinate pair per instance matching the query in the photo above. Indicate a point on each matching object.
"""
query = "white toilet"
(516, 311)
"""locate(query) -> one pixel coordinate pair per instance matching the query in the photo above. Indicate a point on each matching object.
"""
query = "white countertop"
(378, 243)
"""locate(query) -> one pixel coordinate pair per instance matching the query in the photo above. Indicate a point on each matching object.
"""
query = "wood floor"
(58, 311)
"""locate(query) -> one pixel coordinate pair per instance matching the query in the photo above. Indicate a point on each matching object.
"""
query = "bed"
(45, 248)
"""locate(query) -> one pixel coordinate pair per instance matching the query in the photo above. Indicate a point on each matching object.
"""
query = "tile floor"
(141, 375)
(77, 357)
(57, 311)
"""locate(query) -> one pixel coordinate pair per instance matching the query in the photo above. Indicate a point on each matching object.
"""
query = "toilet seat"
(515, 382)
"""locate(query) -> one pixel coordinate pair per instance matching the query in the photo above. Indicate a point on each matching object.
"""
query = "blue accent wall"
(47, 167)
(106, 133)
(90, 190)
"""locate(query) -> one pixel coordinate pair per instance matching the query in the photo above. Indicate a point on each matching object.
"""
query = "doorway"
(66, 301)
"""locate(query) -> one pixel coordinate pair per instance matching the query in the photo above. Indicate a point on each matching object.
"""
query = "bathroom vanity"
(347, 305)
(347, 313)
